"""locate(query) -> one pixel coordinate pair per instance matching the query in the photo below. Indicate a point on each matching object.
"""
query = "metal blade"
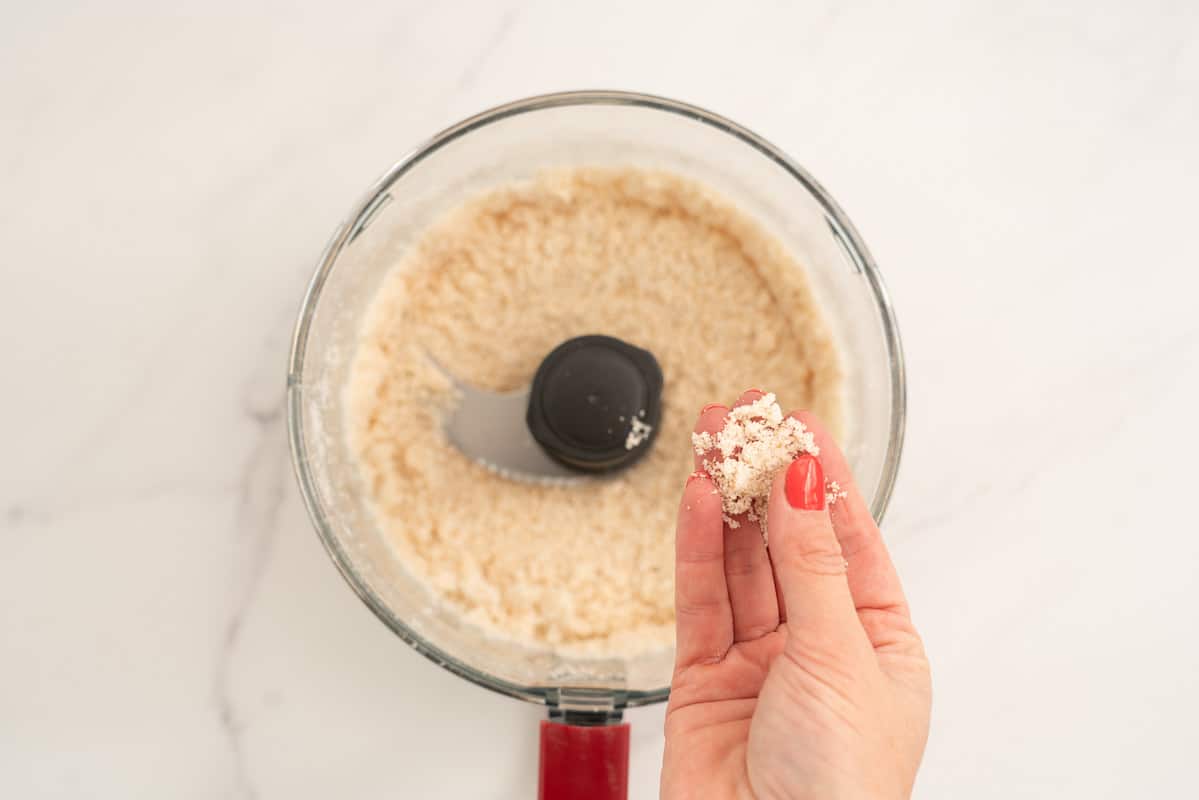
(490, 428)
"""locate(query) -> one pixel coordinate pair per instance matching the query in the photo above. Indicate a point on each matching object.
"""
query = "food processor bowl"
(515, 142)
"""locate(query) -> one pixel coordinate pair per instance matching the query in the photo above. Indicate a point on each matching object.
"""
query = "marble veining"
(261, 490)
(171, 627)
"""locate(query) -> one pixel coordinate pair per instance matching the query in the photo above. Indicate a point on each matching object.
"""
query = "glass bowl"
(513, 142)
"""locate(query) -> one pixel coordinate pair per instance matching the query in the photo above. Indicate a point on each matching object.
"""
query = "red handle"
(584, 762)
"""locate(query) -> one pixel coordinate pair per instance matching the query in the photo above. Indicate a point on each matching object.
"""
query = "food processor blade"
(593, 408)
(490, 428)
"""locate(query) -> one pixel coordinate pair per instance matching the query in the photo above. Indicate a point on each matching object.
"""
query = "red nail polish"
(759, 391)
(711, 406)
(804, 484)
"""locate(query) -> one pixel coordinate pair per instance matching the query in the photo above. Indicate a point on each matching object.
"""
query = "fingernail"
(711, 406)
(759, 391)
(804, 484)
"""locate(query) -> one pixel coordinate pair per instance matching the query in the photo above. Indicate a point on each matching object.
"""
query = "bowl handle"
(584, 762)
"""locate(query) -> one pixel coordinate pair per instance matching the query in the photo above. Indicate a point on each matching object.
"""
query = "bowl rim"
(842, 229)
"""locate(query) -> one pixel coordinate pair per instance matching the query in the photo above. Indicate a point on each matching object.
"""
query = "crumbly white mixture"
(637, 433)
(833, 492)
(743, 457)
(654, 259)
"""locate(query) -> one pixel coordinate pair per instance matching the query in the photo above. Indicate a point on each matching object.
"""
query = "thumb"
(808, 565)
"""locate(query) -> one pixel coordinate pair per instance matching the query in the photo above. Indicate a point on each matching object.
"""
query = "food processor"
(584, 743)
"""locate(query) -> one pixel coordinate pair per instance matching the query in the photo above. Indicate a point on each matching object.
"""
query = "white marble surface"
(169, 625)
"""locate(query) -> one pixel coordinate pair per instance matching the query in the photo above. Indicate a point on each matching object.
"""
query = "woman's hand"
(798, 672)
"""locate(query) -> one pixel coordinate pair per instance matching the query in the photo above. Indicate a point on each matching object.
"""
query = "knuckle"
(700, 557)
(816, 558)
(744, 562)
(752, 633)
(697, 606)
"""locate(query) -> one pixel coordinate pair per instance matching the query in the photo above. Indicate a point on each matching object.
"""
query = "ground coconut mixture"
(651, 258)
(757, 441)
